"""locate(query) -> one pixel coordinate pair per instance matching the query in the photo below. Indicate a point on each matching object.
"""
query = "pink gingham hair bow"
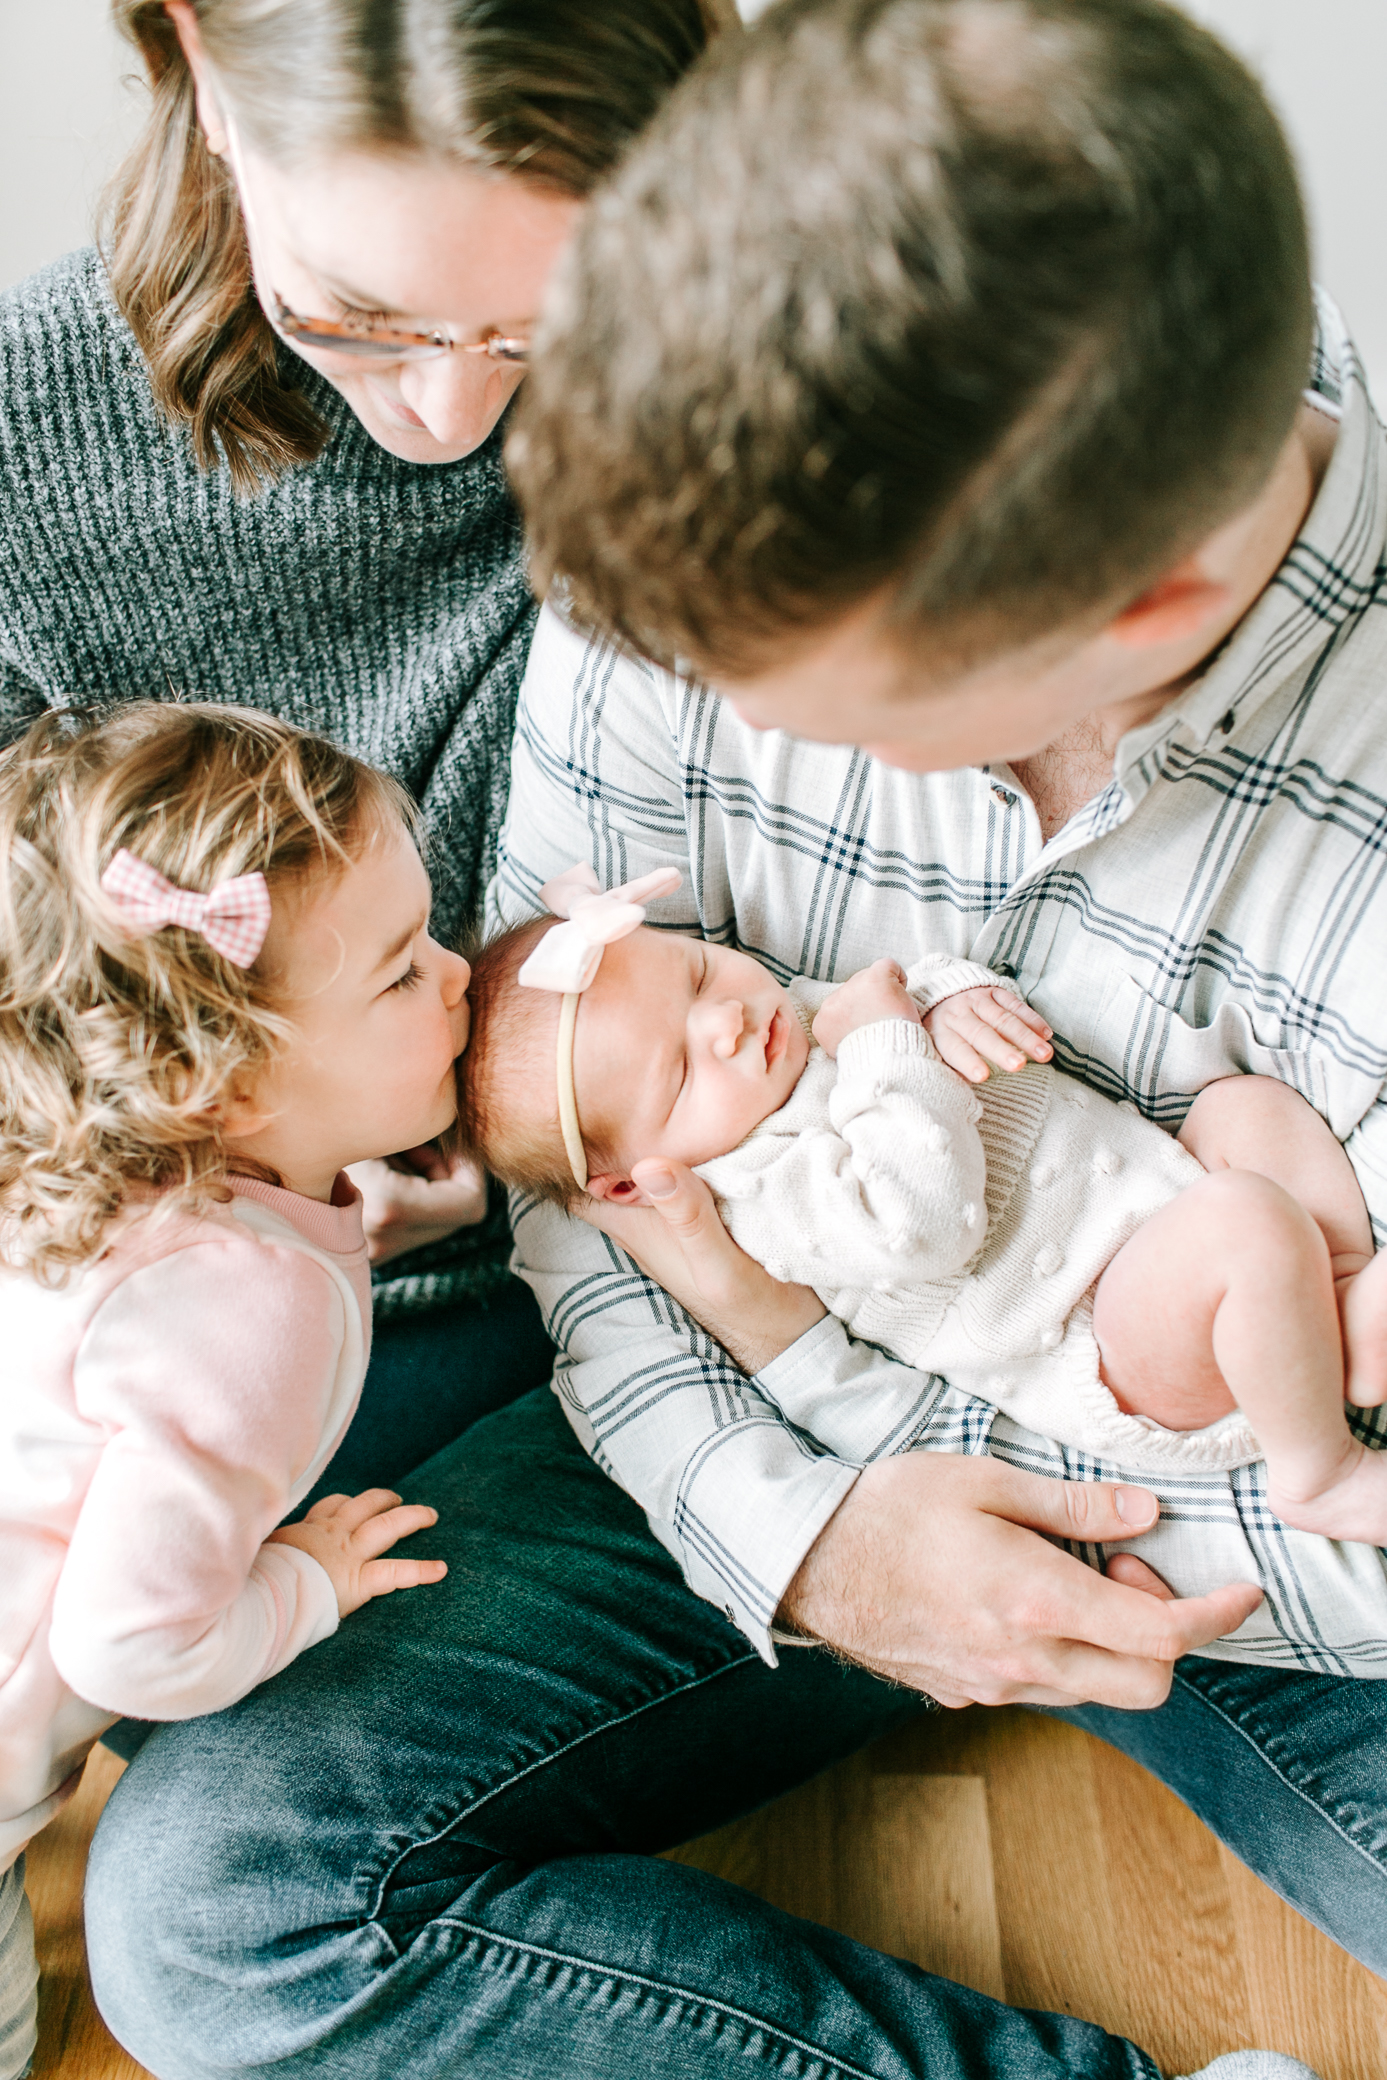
(567, 958)
(233, 917)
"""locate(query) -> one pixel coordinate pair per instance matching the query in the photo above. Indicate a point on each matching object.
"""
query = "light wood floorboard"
(1012, 1853)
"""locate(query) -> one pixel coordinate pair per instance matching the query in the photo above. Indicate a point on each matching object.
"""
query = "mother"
(255, 457)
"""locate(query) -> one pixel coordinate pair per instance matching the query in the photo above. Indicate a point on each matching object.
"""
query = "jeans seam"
(665, 1988)
(1270, 1763)
(544, 1762)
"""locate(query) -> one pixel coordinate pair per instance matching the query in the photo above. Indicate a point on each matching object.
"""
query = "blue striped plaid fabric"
(1220, 907)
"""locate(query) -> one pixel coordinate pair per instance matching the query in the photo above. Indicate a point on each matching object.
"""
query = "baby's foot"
(1363, 1313)
(1352, 1505)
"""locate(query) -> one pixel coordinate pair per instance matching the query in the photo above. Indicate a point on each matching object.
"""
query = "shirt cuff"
(859, 1403)
(749, 1514)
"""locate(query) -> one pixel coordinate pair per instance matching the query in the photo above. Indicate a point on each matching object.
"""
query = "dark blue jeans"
(425, 1849)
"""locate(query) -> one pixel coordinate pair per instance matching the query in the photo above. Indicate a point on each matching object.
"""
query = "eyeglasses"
(368, 342)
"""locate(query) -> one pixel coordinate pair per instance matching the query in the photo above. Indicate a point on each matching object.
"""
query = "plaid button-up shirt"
(1219, 907)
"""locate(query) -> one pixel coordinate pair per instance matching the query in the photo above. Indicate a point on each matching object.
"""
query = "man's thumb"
(1090, 1512)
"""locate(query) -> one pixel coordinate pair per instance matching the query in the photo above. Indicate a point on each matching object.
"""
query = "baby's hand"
(346, 1535)
(863, 1000)
(982, 1026)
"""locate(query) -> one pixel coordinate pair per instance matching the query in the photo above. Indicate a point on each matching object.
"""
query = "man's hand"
(985, 1027)
(680, 1242)
(931, 1574)
(415, 1198)
(864, 999)
(346, 1535)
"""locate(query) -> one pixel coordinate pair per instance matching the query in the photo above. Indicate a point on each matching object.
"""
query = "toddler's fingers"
(356, 1510)
(384, 1577)
(380, 1532)
(326, 1506)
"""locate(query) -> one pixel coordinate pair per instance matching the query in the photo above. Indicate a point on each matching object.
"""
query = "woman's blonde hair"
(551, 90)
(116, 1046)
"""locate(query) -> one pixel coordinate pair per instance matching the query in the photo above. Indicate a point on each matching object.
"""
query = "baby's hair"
(508, 1099)
(116, 1044)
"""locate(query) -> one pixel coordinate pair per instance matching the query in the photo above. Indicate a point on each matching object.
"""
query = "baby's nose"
(729, 1020)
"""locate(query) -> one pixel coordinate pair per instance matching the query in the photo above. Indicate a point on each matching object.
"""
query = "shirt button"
(1005, 969)
(1000, 794)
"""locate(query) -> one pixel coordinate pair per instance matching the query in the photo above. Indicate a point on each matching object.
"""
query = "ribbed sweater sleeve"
(21, 702)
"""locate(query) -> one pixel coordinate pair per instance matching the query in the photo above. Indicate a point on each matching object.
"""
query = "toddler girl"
(217, 989)
(1048, 1252)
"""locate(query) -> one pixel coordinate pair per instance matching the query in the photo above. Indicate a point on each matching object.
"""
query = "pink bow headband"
(567, 959)
(233, 917)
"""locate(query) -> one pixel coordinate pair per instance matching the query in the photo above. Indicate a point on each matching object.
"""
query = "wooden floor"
(1010, 1852)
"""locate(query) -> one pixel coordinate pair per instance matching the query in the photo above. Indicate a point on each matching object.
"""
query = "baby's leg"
(1255, 1123)
(1225, 1297)
(19, 1976)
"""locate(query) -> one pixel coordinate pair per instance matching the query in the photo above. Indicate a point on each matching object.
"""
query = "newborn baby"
(1044, 1249)
(1102, 1305)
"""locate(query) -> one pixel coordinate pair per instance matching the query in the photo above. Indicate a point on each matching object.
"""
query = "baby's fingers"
(954, 1049)
(386, 1529)
(1033, 1041)
(1019, 1009)
(384, 1577)
(1007, 1014)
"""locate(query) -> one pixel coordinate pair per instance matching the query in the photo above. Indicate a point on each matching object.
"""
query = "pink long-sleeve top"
(159, 1415)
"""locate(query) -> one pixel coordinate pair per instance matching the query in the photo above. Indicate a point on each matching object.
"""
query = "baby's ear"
(622, 1191)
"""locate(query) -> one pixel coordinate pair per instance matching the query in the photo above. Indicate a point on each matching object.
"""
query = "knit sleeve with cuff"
(941, 975)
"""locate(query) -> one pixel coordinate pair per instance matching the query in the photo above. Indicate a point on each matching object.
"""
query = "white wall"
(65, 113)
(1324, 63)
(65, 116)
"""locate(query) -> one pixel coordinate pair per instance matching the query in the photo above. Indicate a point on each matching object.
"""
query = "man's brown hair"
(1001, 306)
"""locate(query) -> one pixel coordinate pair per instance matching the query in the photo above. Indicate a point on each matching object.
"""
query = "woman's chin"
(411, 446)
(400, 432)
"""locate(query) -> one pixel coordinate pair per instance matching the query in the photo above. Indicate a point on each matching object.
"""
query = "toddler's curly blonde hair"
(116, 1044)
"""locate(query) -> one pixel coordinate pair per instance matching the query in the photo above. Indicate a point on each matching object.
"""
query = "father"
(965, 421)
(961, 420)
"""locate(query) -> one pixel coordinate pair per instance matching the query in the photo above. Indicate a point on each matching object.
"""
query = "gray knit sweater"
(380, 602)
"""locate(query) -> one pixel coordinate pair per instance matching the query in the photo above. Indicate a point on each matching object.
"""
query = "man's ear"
(621, 1191)
(1176, 607)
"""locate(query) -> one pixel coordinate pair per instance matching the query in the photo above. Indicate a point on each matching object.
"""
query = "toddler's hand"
(417, 1198)
(863, 1000)
(982, 1026)
(346, 1534)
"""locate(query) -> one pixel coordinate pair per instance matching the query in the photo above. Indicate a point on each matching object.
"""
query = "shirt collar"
(1331, 570)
